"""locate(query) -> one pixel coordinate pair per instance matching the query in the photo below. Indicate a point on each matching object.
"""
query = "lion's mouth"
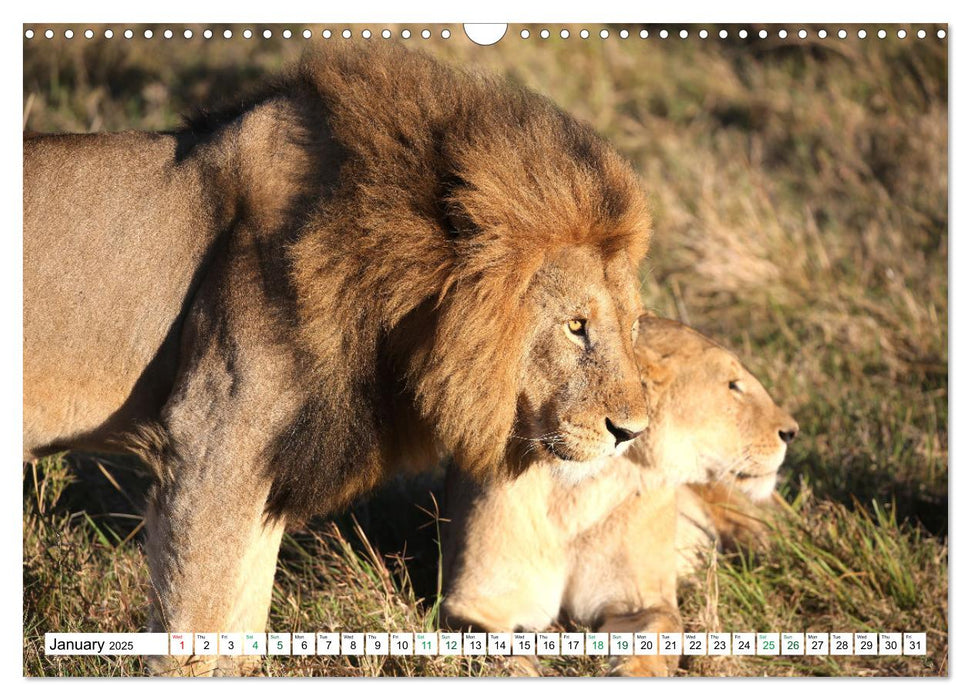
(757, 485)
(742, 476)
(554, 449)
(576, 449)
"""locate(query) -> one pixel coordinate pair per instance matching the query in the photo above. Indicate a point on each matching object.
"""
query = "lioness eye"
(577, 326)
(734, 386)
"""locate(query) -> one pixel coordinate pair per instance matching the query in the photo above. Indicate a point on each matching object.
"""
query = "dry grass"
(829, 568)
(800, 190)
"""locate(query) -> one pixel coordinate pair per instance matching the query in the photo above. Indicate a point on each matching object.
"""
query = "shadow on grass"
(108, 490)
(858, 482)
(399, 522)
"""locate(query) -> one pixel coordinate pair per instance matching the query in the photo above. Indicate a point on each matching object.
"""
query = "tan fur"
(603, 551)
(364, 268)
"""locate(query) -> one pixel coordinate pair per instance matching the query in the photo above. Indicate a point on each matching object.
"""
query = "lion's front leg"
(211, 549)
(659, 618)
(212, 555)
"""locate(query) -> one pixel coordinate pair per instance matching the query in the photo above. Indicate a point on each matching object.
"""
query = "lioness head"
(711, 419)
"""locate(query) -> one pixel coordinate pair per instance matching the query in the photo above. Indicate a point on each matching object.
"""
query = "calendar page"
(476, 350)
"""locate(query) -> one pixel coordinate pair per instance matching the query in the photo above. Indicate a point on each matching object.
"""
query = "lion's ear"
(457, 221)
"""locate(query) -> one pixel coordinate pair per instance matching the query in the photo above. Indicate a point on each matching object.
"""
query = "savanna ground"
(800, 194)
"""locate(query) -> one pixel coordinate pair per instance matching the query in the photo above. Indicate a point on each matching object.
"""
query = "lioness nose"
(622, 434)
(789, 433)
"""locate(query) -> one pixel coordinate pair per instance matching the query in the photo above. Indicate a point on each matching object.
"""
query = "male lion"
(375, 263)
(603, 550)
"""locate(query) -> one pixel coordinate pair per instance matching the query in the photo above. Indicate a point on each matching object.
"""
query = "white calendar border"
(382, 11)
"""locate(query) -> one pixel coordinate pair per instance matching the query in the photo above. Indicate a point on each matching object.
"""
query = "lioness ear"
(652, 366)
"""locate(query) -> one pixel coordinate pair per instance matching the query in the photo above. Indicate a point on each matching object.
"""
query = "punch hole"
(425, 34)
(584, 34)
(783, 33)
(743, 34)
(723, 34)
(446, 34)
(882, 34)
(841, 33)
(921, 34)
(941, 34)
(624, 33)
(644, 34)
(167, 33)
(902, 34)
(29, 34)
(247, 34)
(663, 33)
(327, 34)
(228, 34)
(564, 34)
(148, 34)
(109, 33)
(207, 34)
(763, 34)
(683, 33)
(267, 34)
(405, 33)
(68, 34)
(822, 34)
(604, 33)
(287, 34)
(366, 33)
(129, 33)
(187, 33)
(861, 33)
(803, 33)
(544, 34)
(385, 33)
(703, 33)
(485, 34)
(346, 33)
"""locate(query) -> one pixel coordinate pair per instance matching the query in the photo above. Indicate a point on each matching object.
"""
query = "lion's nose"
(623, 434)
(788, 434)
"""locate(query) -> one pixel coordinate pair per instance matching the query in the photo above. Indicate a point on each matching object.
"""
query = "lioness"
(602, 550)
(374, 263)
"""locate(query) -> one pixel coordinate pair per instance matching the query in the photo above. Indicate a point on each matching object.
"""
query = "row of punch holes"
(524, 34)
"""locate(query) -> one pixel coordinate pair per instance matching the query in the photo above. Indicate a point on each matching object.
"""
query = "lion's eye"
(634, 328)
(577, 326)
(735, 386)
